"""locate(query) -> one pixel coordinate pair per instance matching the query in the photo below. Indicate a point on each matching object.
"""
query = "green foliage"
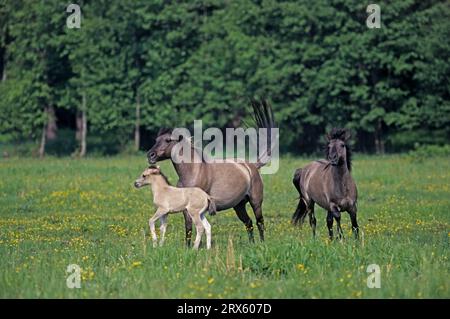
(423, 152)
(317, 61)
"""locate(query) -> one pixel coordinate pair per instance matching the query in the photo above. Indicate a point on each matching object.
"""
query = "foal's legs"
(241, 212)
(151, 223)
(199, 228)
(162, 229)
(207, 227)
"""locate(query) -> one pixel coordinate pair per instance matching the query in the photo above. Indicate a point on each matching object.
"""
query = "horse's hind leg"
(312, 219)
(257, 210)
(241, 212)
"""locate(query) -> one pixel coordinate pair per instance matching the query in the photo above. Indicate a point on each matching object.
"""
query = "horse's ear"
(328, 137)
(176, 139)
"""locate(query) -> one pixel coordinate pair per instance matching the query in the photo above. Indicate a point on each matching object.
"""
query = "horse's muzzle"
(152, 157)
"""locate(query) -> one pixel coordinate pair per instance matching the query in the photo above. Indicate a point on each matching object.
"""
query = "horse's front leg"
(188, 227)
(151, 224)
(187, 222)
(355, 227)
(330, 224)
(336, 213)
(339, 228)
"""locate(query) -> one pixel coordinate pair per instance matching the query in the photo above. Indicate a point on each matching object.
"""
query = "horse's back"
(306, 178)
(229, 182)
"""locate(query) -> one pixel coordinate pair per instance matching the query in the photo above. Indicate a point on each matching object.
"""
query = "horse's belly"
(322, 202)
(226, 203)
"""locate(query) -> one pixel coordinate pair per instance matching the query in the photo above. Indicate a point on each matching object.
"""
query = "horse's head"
(162, 148)
(145, 178)
(338, 150)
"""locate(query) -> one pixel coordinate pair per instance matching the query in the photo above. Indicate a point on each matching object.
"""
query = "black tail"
(211, 207)
(296, 179)
(263, 115)
(301, 207)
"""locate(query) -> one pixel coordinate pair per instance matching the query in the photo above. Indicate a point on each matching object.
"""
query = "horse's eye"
(168, 140)
(342, 145)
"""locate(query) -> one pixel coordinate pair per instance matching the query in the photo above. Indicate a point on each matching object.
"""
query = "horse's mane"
(165, 177)
(164, 130)
(162, 175)
(343, 135)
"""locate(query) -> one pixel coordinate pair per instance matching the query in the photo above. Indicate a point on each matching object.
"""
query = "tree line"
(135, 66)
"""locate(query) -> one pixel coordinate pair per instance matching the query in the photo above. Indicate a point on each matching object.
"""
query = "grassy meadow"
(62, 211)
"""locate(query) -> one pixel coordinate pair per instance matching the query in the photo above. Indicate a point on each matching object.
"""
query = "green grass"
(56, 212)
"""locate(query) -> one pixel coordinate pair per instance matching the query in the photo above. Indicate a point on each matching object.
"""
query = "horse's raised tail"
(263, 115)
(211, 206)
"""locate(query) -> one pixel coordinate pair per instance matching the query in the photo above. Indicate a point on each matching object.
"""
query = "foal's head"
(338, 150)
(162, 148)
(146, 177)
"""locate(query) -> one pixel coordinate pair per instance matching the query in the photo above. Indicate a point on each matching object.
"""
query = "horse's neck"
(340, 178)
(159, 187)
(189, 171)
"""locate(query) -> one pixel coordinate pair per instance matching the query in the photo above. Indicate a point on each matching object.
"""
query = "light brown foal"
(171, 199)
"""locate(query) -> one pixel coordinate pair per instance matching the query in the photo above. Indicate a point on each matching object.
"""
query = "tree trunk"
(43, 141)
(48, 129)
(379, 142)
(52, 128)
(79, 126)
(4, 53)
(137, 133)
(83, 126)
(4, 68)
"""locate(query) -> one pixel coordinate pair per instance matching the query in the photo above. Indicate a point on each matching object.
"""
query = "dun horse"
(171, 199)
(231, 184)
(329, 184)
